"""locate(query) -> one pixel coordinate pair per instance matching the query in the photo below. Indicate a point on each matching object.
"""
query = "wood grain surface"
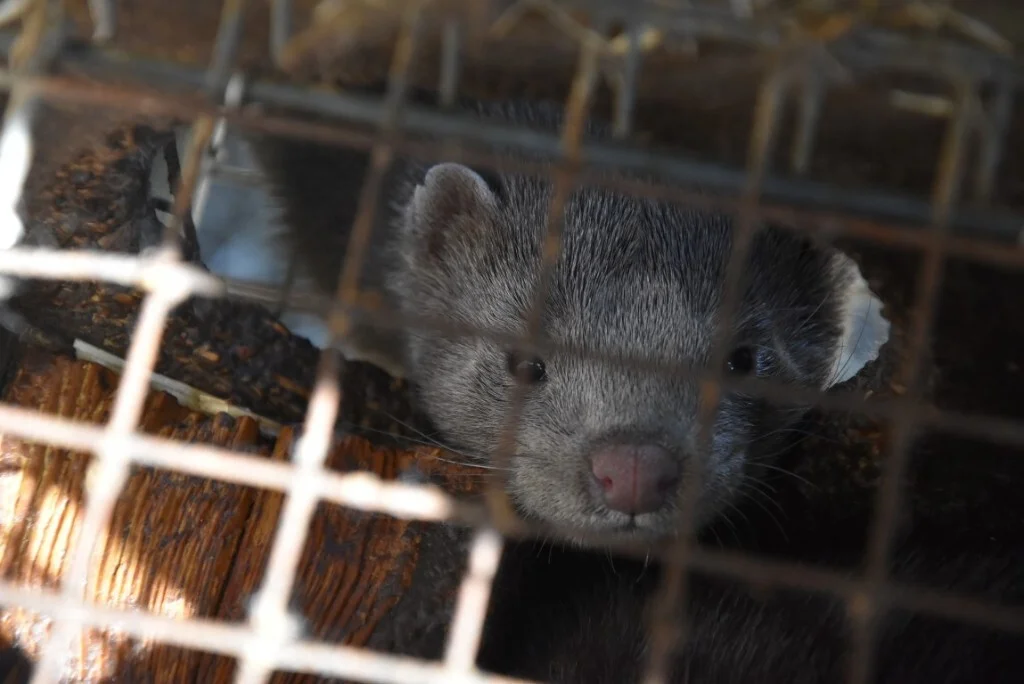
(182, 546)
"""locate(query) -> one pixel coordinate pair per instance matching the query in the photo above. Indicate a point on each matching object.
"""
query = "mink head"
(601, 447)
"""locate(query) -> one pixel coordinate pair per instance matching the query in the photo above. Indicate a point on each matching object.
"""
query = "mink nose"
(635, 479)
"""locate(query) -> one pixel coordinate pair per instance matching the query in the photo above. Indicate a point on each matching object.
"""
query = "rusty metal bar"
(625, 96)
(280, 26)
(867, 50)
(147, 272)
(864, 608)
(802, 204)
(563, 177)
(104, 19)
(97, 64)
(231, 639)
(225, 47)
(109, 468)
(811, 100)
(893, 232)
(273, 625)
(993, 141)
(367, 492)
(31, 54)
(451, 48)
(669, 603)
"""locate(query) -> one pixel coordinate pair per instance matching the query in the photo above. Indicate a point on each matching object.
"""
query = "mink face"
(600, 448)
(609, 448)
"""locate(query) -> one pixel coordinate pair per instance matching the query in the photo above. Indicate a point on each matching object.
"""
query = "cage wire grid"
(270, 640)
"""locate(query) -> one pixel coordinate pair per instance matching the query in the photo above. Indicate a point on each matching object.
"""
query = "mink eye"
(742, 361)
(528, 370)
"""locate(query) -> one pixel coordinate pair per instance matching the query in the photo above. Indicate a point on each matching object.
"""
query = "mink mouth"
(630, 529)
(609, 526)
(630, 534)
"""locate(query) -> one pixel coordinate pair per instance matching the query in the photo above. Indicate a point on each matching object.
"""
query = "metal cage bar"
(863, 609)
(269, 640)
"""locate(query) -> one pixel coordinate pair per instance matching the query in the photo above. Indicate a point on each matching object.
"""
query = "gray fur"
(635, 276)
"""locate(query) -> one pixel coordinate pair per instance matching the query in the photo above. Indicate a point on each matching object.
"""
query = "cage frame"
(269, 639)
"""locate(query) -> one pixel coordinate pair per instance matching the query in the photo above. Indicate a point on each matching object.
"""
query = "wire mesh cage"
(929, 86)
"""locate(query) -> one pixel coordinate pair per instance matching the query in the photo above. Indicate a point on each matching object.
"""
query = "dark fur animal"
(601, 448)
(569, 617)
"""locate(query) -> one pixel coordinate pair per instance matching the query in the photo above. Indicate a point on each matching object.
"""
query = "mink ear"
(863, 328)
(452, 197)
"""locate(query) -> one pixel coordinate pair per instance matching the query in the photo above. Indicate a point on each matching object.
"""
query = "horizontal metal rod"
(97, 63)
(895, 408)
(865, 48)
(149, 273)
(367, 492)
(708, 177)
(350, 663)
(187, 106)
